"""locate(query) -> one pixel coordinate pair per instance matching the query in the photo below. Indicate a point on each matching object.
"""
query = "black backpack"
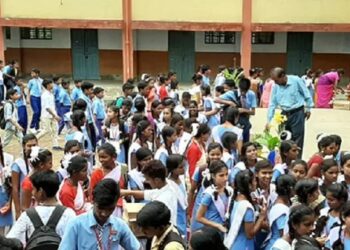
(44, 237)
(2, 114)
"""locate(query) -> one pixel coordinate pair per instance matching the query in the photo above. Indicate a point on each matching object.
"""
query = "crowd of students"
(187, 157)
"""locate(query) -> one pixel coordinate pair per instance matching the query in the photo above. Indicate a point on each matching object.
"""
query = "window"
(36, 33)
(263, 38)
(8, 33)
(218, 37)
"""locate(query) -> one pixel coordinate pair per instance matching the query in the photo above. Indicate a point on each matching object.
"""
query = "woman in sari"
(326, 86)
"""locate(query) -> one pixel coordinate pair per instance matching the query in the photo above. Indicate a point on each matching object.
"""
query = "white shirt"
(219, 80)
(167, 195)
(47, 101)
(24, 225)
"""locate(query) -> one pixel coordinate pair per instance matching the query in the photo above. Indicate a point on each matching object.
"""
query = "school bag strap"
(53, 220)
(55, 216)
(34, 217)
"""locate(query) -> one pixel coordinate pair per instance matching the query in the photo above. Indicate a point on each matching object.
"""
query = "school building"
(123, 38)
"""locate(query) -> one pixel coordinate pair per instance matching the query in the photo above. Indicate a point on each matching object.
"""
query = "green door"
(181, 54)
(85, 54)
(299, 52)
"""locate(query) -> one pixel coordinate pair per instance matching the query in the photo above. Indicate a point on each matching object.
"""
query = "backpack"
(2, 114)
(44, 237)
(172, 237)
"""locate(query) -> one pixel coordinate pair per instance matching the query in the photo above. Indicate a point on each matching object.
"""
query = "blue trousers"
(296, 125)
(62, 111)
(99, 124)
(23, 118)
(35, 103)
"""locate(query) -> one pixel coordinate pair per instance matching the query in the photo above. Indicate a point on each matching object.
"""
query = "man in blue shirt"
(34, 87)
(291, 95)
(98, 228)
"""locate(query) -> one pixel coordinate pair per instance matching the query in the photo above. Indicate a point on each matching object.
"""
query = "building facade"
(125, 38)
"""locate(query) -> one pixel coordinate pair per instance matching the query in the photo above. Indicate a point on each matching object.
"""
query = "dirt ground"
(112, 90)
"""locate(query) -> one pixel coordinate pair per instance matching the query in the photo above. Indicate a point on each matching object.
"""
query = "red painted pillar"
(246, 39)
(127, 39)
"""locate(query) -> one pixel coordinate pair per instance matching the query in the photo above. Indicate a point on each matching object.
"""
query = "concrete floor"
(329, 121)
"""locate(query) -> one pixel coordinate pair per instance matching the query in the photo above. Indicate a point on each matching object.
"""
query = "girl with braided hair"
(243, 226)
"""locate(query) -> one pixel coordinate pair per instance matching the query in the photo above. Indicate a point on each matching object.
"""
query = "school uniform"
(10, 112)
(22, 109)
(115, 134)
(98, 109)
(166, 195)
(64, 107)
(182, 111)
(206, 80)
(35, 90)
(48, 121)
(278, 219)
(5, 196)
(197, 177)
(334, 235)
(181, 196)
(90, 119)
(218, 132)
(247, 101)
(83, 233)
(242, 212)
(19, 166)
(216, 208)
(24, 228)
(209, 105)
(56, 92)
(76, 93)
(162, 155)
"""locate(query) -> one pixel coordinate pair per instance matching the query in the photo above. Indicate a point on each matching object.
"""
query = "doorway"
(182, 54)
(85, 54)
(299, 52)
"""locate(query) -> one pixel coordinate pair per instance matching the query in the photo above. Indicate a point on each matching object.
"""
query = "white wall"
(110, 39)
(154, 40)
(331, 43)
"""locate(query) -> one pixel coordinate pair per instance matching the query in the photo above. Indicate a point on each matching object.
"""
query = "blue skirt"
(5, 220)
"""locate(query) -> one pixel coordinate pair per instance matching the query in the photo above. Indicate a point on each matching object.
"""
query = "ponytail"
(242, 182)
